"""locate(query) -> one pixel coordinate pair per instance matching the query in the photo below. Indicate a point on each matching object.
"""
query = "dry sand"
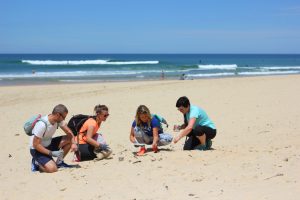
(256, 153)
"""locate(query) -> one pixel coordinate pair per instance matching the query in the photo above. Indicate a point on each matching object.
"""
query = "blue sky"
(153, 26)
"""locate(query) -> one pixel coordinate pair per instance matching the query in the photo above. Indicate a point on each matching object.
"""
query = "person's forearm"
(185, 132)
(42, 149)
(70, 135)
(132, 138)
(155, 140)
(73, 140)
(93, 142)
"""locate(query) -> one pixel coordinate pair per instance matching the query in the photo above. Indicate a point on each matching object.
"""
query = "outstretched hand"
(154, 148)
(176, 139)
(103, 146)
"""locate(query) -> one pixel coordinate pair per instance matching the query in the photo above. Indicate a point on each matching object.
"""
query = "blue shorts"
(41, 158)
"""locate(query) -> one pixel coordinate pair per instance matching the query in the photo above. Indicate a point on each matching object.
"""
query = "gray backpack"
(30, 123)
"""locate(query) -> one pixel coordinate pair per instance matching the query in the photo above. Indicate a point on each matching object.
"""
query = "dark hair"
(183, 101)
(60, 108)
(99, 108)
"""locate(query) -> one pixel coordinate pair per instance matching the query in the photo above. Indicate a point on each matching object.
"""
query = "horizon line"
(169, 53)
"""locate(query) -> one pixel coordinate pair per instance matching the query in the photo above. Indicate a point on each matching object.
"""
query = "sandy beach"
(256, 153)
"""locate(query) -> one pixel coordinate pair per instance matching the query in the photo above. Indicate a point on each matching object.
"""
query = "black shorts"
(193, 141)
(200, 130)
(86, 152)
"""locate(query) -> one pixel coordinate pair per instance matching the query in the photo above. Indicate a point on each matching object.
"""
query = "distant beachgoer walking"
(162, 75)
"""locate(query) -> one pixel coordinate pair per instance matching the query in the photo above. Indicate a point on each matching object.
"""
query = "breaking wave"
(87, 62)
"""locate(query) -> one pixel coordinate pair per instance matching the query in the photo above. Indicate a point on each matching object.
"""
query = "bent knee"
(165, 138)
(50, 167)
(66, 139)
(164, 142)
(52, 170)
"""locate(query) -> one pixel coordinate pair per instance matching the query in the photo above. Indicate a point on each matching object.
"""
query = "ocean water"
(53, 68)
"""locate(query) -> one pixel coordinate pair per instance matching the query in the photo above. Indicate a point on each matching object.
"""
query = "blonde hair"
(142, 109)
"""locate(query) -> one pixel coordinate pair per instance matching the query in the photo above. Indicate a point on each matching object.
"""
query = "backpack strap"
(45, 125)
(85, 131)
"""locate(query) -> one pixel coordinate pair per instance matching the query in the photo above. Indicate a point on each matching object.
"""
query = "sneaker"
(62, 164)
(208, 144)
(34, 166)
(200, 147)
(76, 157)
(103, 154)
(107, 152)
(141, 152)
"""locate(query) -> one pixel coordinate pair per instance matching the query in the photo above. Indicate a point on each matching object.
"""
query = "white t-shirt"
(39, 130)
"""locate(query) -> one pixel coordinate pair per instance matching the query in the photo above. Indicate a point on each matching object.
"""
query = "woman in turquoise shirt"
(197, 126)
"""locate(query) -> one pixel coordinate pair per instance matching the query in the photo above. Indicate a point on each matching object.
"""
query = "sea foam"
(281, 68)
(267, 73)
(223, 67)
(210, 75)
(87, 62)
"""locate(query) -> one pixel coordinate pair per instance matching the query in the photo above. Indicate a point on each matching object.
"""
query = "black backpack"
(76, 122)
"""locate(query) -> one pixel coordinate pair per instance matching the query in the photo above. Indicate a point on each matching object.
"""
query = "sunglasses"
(64, 117)
(106, 115)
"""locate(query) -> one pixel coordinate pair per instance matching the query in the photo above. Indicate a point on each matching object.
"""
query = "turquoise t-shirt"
(202, 118)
